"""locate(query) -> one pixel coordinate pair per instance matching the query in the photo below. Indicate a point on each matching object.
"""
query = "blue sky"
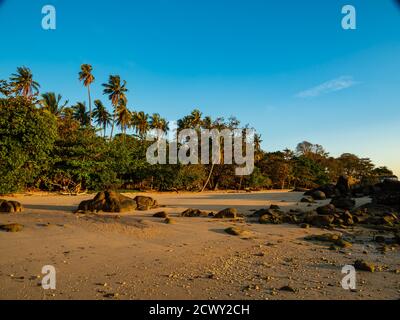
(285, 67)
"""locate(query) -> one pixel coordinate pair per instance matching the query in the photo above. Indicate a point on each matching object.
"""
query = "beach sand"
(136, 256)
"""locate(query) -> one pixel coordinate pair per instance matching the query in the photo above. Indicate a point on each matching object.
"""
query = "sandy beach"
(136, 256)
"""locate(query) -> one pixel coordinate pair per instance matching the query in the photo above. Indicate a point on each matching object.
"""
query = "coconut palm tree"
(80, 114)
(124, 116)
(51, 102)
(22, 82)
(140, 121)
(101, 116)
(87, 77)
(115, 89)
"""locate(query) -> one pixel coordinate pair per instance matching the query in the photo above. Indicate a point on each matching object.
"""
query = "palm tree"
(140, 121)
(116, 92)
(102, 116)
(87, 77)
(22, 82)
(80, 114)
(124, 116)
(195, 119)
(51, 102)
(158, 123)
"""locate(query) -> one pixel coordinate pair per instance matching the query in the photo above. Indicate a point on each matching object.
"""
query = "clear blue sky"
(285, 67)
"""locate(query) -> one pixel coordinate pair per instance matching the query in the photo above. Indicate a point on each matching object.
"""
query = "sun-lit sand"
(136, 256)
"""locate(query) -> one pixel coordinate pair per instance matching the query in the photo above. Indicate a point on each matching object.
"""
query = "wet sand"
(136, 256)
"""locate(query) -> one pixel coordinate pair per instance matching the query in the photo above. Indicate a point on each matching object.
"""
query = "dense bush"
(27, 136)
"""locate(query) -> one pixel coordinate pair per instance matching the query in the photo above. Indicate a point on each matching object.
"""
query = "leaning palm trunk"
(208, 178)
(112, 127)
(90, 106)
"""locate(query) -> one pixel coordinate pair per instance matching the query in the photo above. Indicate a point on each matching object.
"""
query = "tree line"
(48, 144)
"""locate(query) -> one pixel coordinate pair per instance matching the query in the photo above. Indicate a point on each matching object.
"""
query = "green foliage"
(27, 135)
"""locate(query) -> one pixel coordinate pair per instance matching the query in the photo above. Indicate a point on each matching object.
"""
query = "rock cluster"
(10, 206)
(110, 201)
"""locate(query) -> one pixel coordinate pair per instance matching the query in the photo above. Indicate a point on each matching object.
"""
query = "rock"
(270, 218)
(318, 195)
(14, 227)
(307, 199)
(321, 221)
(288, 289)
(161, 214)
(234, 231)
(229, 213)
(326, 237)
(328, 209)
(345, 203)
(191, 213)
(347, 218)
(108, 201)
(343, 244)
(328, 189)
(10, 206)
(342, 186)
(169, 221)
(262, 212)
(364, 266)
(274, 207)
(304, 225)
(145, 203)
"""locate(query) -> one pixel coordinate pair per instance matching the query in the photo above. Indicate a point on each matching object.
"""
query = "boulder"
(161, 214)
(234, 231)
(145, 203)
(345, 203)
(10, 206)
(321, 221)
(342, 186)
(108, 201)
(328, 209)
(307, 199)
(14, 227)
(364, 266)
(328, 189)
(229, 213)
(318, 195)
(191, 213)
(274, 207)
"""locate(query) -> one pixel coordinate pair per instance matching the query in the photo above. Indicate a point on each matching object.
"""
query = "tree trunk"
(112, 128)
(90, 106)
(209, 177)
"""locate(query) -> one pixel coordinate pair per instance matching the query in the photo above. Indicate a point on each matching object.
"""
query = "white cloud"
(341, 83)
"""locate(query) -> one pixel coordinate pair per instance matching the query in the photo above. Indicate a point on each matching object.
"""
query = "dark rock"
(288, 289)
(14, 227)
(364, 266)
(274, 207)
(10, 206)
(307, 199)
(108, 201)
(229, 213)
(318, 195)
(343, 203)
(191, 213)
(342, 186)
(321, 221)
(161, 214)
(328, 209)
(145, 203)
(169, 221)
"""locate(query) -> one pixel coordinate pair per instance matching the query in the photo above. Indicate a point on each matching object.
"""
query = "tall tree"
(116, 90)
(22, 82)
(123, 116)
(51, 102)
(80, 114)
(86, 76)
(140, 121)
(101, 116)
